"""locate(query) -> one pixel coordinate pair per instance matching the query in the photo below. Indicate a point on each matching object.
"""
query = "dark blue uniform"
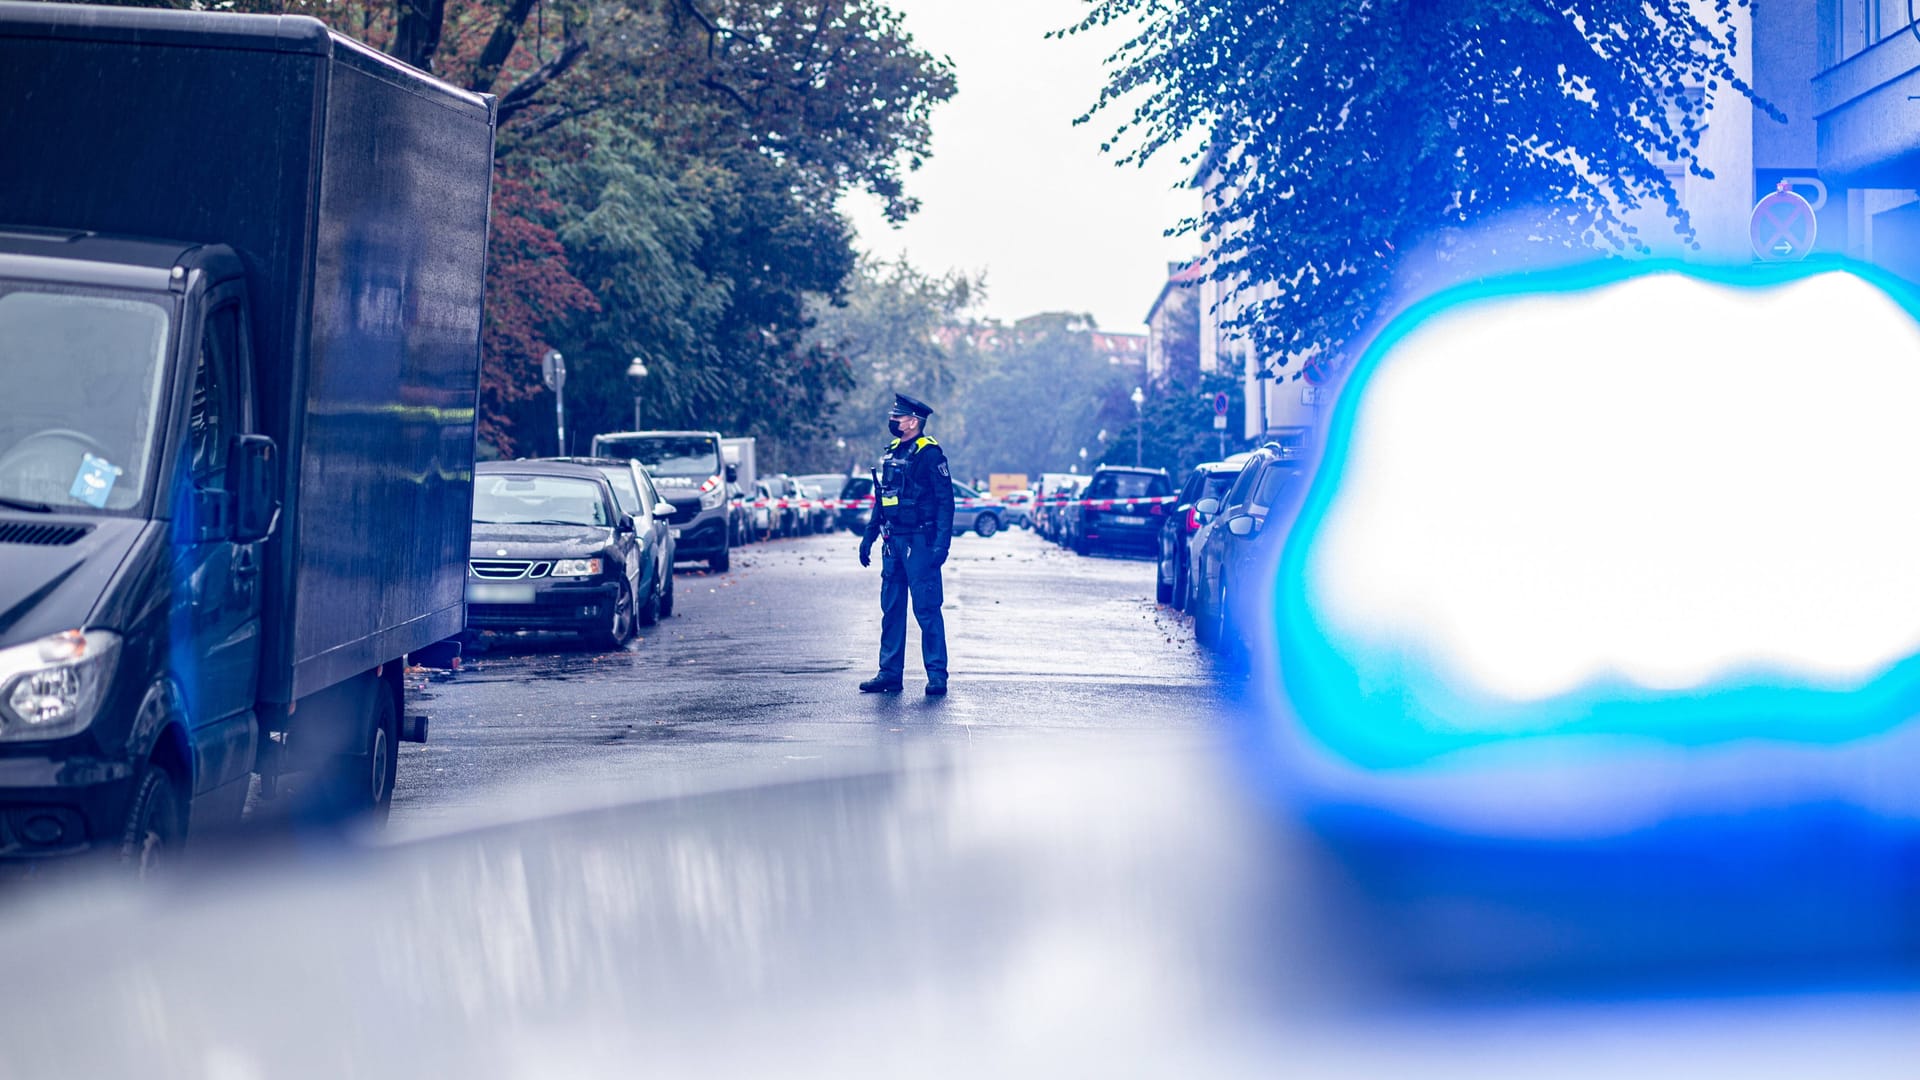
(913, 512)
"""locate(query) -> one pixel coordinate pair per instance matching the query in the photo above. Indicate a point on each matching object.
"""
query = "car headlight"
(51, 688)
(576, 568)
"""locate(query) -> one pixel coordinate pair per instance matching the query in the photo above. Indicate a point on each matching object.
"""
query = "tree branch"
(506, 34)
(521, 96)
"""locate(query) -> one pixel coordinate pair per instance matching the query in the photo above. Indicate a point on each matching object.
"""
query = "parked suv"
(1177, 530)
(1102, 520)
(687, 468)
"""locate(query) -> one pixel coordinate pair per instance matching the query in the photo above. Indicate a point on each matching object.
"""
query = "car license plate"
(1129, 519)
(485, 592)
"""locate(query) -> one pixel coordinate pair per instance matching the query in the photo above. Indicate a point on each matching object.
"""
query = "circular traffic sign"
(1783, 226)
(1220, 404)
(1315, 371)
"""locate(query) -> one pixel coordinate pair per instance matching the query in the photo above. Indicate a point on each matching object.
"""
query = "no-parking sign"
(1783, 227)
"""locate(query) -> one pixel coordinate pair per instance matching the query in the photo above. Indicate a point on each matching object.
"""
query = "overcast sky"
(1014, 189)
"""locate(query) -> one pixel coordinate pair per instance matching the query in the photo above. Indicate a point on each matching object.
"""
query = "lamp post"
(1139, 399)
(636, 374)
(553, 371)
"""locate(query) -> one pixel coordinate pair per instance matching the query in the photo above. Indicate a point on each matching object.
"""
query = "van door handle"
(246, 575)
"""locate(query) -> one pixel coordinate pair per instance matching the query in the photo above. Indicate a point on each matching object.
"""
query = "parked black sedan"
(1207, 481)
(552, 550)
(1240, 546)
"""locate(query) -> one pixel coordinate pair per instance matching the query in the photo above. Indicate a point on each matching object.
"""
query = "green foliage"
(898, 330)
(1034, 394)
(1175, 426)
(1367, 153)
(669, 171)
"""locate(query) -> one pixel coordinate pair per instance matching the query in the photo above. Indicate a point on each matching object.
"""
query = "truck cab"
(236, 435)
(135, 493)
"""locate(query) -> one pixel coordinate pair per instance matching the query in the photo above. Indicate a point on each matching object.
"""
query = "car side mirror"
(733, 474)
(1207, 506)
(627, 524)
(1244, 525)
(253, 464)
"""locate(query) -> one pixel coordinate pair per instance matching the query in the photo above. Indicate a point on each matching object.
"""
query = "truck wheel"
(721, 563)
(362, 783)
(155, 829)
(986, 525)
(666, 597)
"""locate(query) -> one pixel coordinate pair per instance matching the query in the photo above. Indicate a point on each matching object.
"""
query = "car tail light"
(1193, 520)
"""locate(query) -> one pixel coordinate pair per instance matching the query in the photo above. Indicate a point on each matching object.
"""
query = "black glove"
(866, 551)
(939, 556)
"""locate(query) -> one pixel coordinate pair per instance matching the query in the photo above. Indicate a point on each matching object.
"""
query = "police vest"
(894, 476)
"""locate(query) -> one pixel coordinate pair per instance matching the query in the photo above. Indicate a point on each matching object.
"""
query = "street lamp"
(1139, 399)
(636, 374)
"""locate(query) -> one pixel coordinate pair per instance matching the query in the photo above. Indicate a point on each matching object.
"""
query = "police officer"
(913, 514)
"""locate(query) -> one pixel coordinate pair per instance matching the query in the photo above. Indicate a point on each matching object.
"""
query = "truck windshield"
(676, 456)
(538, 500)
(83, 371)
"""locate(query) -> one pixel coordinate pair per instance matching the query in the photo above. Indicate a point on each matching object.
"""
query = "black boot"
(936, 689)
(880, 684)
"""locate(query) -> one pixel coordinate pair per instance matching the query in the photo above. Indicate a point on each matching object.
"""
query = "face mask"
(893, 427)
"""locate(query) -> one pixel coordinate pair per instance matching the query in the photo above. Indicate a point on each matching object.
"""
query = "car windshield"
(625, 491)
(84, 374)
(538, 500)
(679, 457)
(1127, 485)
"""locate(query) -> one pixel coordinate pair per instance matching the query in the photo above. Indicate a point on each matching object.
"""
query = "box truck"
(241, 269)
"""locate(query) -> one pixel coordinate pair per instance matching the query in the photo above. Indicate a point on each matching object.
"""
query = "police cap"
(906, 406)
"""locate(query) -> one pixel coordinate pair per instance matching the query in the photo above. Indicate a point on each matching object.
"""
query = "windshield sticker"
(95, 481)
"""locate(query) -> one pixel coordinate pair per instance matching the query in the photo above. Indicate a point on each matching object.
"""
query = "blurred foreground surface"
(943, 914)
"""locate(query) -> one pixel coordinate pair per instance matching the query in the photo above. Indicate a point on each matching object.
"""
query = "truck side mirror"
(254, 472)
(733, 474)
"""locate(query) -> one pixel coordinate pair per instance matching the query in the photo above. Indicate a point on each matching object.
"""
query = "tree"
(1175, 426)
(684, 158)
(1363, 154)
(1036, 393)
(899, 329)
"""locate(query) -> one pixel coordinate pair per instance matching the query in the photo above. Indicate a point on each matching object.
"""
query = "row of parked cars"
(1117, 510)
(1223, 534)
(1218, 534)
(588, 544)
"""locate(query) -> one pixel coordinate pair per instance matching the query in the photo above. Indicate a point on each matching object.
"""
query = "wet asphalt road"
(754, 680)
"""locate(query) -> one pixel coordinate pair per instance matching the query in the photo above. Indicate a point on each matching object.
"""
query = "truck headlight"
(51, 688)
(711, 499)
(576, 568)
